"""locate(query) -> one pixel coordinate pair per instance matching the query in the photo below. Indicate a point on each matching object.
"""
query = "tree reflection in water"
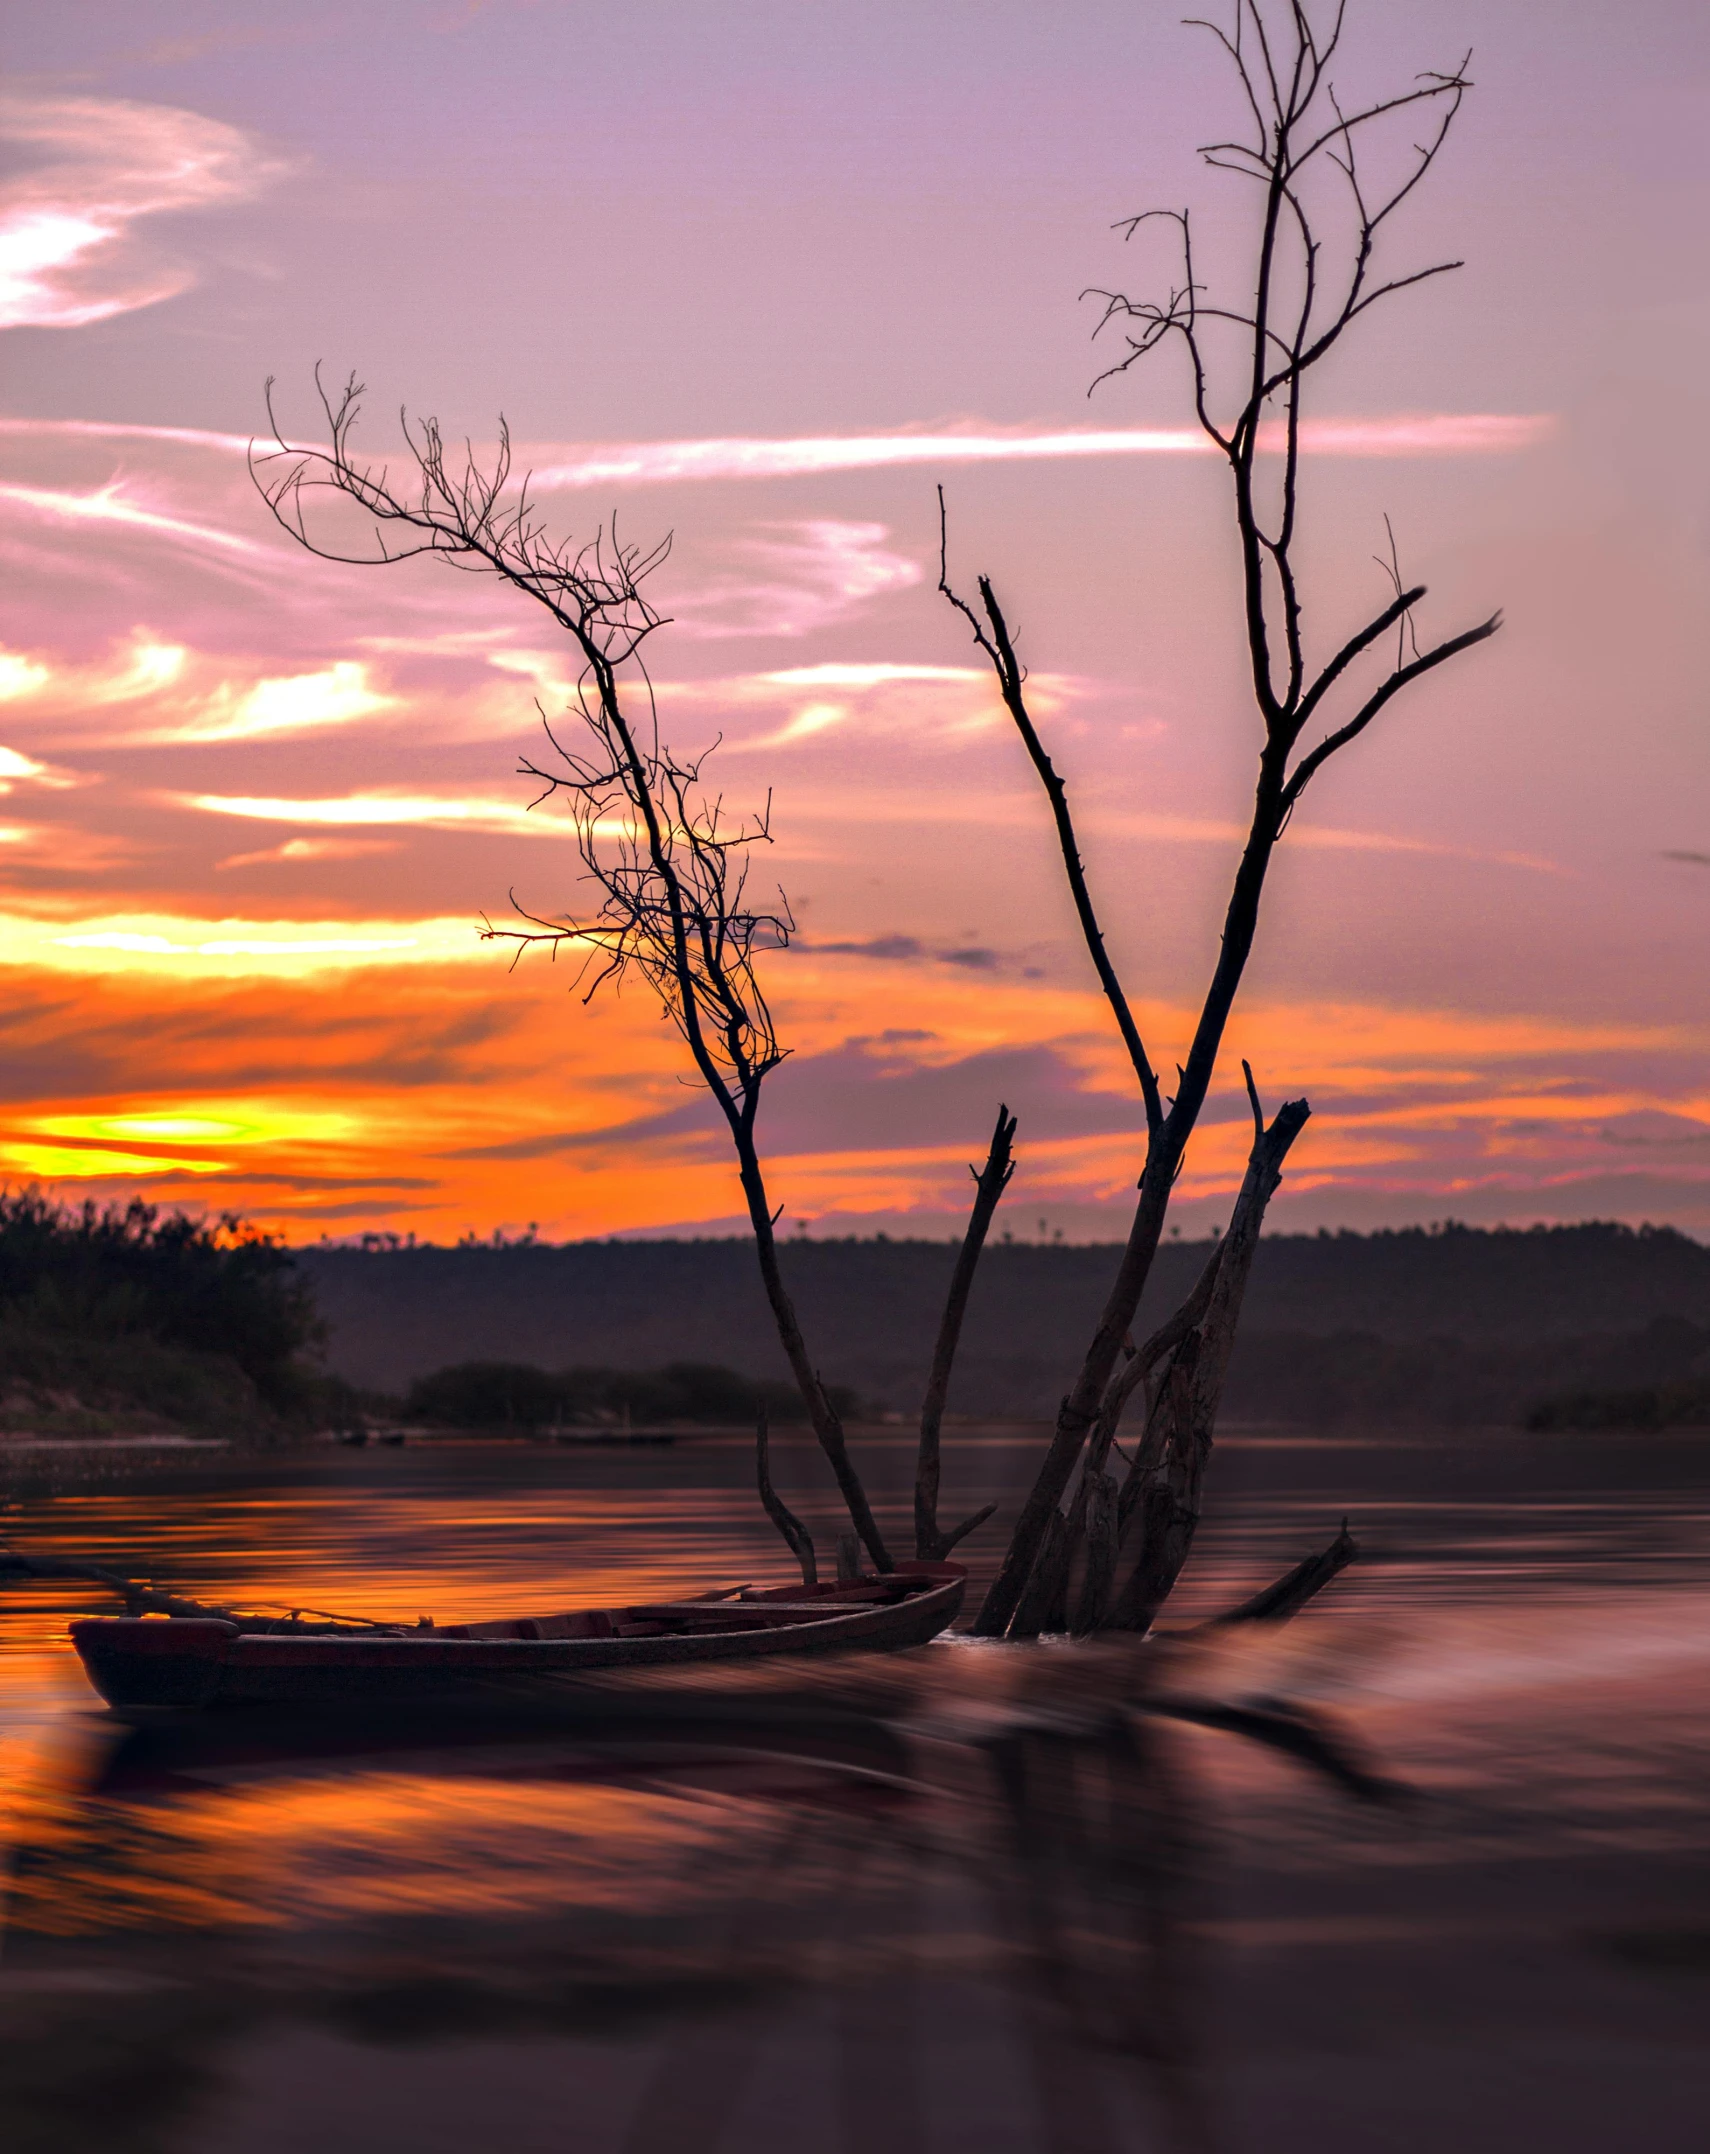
(941, 1900)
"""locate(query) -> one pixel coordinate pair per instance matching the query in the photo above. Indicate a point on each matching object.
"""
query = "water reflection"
(895, 1886)
(964, 1899)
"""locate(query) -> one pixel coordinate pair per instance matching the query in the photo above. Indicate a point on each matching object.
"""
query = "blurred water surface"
(674, 1936)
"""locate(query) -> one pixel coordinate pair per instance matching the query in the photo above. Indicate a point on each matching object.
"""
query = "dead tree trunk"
(1101, 1510)
(1164, 1512)
(1043, 1605)
(1249, 360)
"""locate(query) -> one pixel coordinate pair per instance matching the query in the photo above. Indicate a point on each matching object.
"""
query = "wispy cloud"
(563, 466)
(304, 849)
(111, 504)
(907, 950)
(195, 437)
(187, 698)
(926, 703)
(1019, 808)
(800, 578)
(737, 457)
(1194, 830)
(21, 676)
(142, 667)
(286, 705)
(68, 252)
(382, 809)
(17, 769)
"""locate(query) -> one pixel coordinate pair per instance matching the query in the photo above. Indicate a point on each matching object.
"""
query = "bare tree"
(1322, 216)
(667, 866)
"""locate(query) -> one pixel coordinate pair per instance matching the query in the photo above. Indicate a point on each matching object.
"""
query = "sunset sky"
(763, 276)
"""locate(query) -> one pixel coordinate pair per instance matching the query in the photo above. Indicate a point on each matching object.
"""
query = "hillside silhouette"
(1450, 1325)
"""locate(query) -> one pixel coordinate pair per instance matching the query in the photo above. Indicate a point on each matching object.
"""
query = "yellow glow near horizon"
(71, 1163)
(151, 942)
(212, 1122)
(188, 1129)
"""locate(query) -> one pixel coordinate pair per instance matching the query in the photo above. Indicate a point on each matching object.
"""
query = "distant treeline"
(1452, 1325)
(136, 1316)
(1646, 1378)
(117, 1313)
(511, 1394)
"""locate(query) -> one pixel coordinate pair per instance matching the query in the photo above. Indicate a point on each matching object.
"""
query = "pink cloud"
(68, 254)
(649, 462)
(109, 504)
(924, 704)
(385, 807)
(810, 576)
(196, 437)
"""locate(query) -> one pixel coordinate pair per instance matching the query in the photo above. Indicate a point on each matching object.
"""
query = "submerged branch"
(1291, 1592)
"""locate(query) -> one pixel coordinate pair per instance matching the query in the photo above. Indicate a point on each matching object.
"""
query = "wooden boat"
(144, 1665)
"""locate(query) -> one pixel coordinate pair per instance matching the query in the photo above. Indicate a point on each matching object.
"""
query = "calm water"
(682, 1938)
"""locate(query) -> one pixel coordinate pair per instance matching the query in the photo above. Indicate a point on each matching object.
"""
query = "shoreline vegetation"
(129, 1323)
(501, 1396)
(128, 1319)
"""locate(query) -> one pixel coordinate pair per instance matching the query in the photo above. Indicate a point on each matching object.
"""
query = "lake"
(932, 1936)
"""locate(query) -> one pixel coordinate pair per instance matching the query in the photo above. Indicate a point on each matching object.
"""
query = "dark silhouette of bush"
(515, 1394)
(486, 1394)
(1652, 1406)
(190, 1318)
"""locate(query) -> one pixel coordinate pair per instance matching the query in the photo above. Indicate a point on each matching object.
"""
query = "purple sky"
(667, 225)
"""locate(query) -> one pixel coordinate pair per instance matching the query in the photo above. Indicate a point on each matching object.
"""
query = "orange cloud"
(450, 1093)
(311, 849)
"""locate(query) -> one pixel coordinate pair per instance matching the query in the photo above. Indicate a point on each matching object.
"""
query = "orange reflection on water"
(521, 1838)
(534, 1544)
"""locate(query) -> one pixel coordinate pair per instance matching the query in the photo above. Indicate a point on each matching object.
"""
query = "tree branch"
(1403, 603)
(990, 1183)
(672, 879)
(1309, 765)
(1000, 651)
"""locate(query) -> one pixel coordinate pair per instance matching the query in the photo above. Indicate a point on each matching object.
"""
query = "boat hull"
(147, 1666)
